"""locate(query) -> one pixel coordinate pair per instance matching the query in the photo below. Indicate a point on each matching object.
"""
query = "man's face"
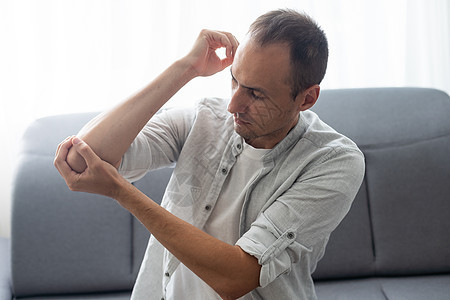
(262, 105)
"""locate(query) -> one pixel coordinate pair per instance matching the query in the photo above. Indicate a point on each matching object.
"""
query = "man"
(256, 191)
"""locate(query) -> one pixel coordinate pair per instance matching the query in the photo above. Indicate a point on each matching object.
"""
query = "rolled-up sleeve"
(296, 226)
(270, 250)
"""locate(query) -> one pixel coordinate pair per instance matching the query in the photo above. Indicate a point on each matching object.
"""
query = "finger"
(66, 143)
(61, 156)
(233, 43)
(60, 144)
(218, 39)
(85, 151)
(226, 62)
(228, 44)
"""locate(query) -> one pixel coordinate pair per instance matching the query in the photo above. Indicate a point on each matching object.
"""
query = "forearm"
(226, 268)
(229, 270)
(111, 133)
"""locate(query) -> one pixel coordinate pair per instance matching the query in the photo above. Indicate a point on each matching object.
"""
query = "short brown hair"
(307, 41)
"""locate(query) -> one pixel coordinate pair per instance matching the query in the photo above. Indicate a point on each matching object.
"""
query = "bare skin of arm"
(111, 133)
(90, 165)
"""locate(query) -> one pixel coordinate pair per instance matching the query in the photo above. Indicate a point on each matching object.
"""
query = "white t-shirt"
(222, 224)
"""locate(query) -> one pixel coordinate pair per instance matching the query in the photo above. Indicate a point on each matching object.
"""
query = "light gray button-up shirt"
(305, 188)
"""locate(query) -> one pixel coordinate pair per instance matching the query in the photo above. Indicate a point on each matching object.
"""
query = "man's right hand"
(203, 57)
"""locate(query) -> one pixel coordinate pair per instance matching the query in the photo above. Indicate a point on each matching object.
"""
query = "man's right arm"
(111, 133)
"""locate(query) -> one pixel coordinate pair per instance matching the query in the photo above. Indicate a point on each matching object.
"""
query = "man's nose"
(238, 103)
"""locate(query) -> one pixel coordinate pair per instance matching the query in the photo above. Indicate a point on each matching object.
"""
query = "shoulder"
(323, 148)
(322, 135)
(214, 106)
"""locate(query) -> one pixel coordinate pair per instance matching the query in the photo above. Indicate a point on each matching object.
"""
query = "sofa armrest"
(5, 269)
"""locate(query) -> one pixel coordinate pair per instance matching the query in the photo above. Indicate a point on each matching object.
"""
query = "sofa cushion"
(382, 288)
(386, 116)
(5, 269)
(66, 242)
(417, 287)
(352, 289)
(409, 196)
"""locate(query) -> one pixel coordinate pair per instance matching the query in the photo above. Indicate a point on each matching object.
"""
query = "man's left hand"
(99, 177)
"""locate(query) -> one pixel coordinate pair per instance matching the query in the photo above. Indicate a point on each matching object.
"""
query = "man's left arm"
(293, 229)
(229, 270)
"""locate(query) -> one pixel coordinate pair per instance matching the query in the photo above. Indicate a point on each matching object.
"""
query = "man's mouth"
(238, 119)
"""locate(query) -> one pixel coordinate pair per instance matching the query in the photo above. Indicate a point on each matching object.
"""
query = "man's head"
(307, 43)
(276, 72)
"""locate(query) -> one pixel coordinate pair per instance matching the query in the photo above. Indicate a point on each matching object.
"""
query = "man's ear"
(308, 97)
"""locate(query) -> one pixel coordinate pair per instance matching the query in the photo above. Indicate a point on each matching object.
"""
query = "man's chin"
(243, 132)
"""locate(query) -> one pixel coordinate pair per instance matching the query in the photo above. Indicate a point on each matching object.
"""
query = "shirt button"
(167, 274)
(224, 171)
(290, 235)
(239, 146)
(208, 207)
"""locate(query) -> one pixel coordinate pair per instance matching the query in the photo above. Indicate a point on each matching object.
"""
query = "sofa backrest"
(399, 223)
(66, 242)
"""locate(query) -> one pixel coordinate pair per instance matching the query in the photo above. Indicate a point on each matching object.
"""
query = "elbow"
(237, 279)
(236, 287)
(228, 297)
(233, 291)
(76, 161)
(78, 164)
(231, 296)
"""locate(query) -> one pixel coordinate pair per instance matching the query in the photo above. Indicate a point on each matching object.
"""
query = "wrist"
(122, 189)
(188, 70)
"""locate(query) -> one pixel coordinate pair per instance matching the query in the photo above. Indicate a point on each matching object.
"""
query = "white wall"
(81, 55)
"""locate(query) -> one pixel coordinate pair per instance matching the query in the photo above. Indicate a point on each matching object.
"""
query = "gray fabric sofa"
(393, 244)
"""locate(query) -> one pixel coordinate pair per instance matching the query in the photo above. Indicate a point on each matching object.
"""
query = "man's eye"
(256, 95)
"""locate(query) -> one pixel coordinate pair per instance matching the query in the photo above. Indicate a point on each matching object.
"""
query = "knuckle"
(83, 149)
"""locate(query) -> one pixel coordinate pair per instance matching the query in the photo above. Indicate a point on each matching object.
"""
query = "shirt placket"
(227, 161)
